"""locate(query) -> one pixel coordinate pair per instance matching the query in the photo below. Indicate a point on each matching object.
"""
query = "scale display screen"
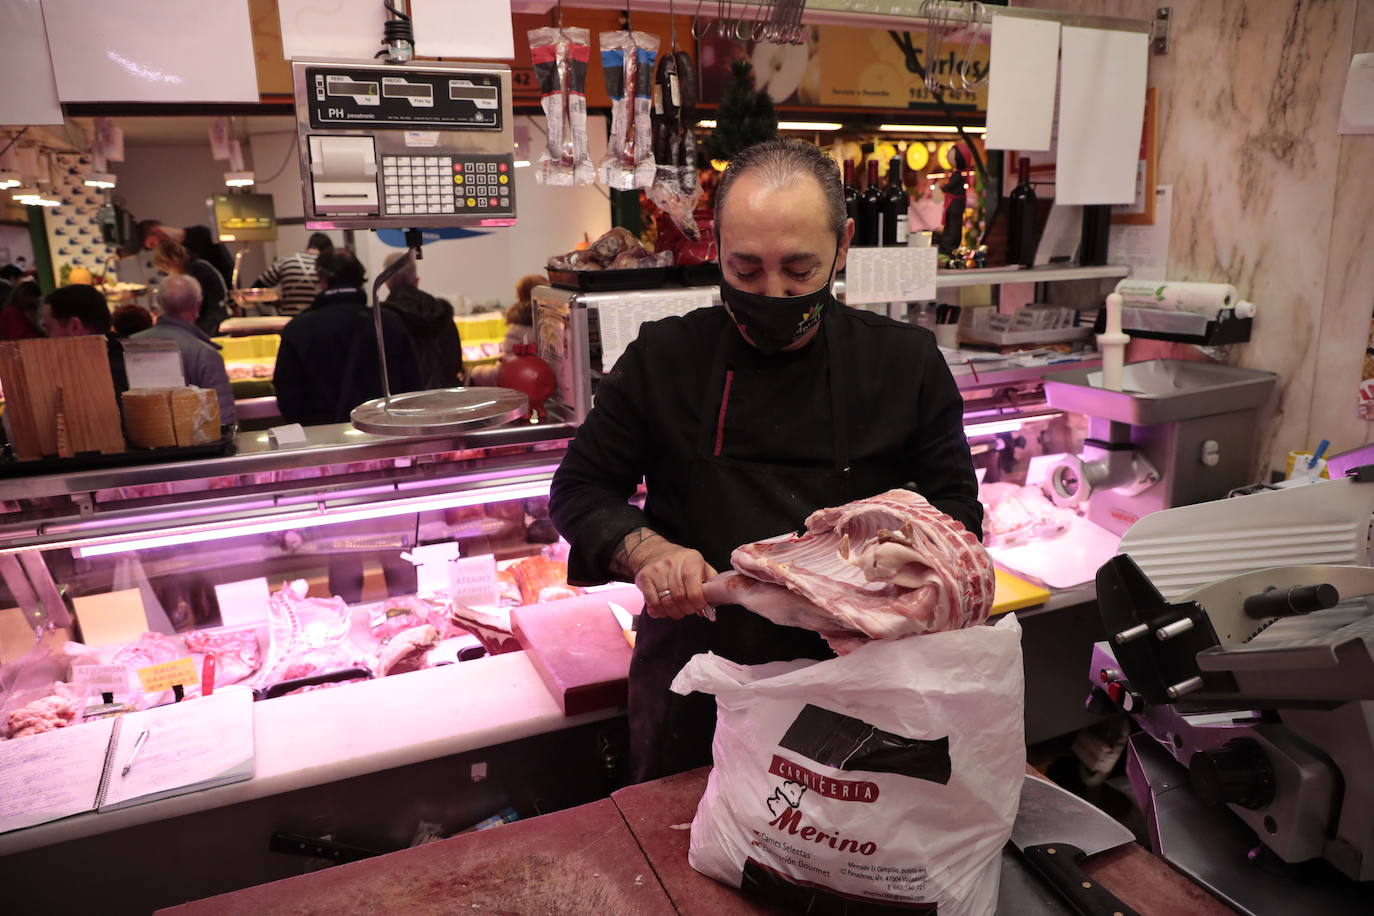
(340, 86)
(408, 91)
(353, 96)
(473, 93)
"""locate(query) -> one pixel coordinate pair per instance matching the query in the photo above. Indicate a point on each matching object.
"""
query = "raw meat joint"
(880, 568)
(408, 650)
(1016, 515)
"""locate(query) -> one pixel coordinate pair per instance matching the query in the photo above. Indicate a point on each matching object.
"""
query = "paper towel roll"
(1198, 298)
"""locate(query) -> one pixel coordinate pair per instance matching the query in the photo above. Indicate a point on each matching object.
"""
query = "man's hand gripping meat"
(669, 576)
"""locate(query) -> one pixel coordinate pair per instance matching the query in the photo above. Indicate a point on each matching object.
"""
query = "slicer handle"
(1058, 863)
(1288, 602)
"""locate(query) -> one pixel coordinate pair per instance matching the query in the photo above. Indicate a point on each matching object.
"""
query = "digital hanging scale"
(398, 146)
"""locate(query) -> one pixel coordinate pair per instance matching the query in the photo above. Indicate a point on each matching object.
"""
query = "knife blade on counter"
(1055, 830)
(629, 623)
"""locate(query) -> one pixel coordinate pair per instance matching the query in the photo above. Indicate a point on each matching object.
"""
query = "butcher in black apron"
(742, 421)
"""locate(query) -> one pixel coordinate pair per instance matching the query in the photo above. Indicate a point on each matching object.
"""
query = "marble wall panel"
(1348, 304)
(1249, 96)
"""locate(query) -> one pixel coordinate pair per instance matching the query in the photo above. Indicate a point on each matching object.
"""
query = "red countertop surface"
(622, 855)
(580, 861)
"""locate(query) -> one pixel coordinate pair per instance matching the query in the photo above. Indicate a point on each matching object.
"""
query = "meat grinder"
(1176, 433)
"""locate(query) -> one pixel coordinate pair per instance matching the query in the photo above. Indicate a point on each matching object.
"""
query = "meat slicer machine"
(1177, 433)
(1241, 642)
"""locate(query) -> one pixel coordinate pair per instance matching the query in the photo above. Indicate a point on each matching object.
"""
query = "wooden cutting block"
(32, 373)
(578, 649)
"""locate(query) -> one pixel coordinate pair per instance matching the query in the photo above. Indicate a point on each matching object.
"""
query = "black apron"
(730, 503)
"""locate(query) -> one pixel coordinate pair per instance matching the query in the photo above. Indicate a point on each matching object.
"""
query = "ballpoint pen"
(138, 746)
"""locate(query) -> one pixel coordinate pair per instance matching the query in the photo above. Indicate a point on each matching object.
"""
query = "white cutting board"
(1071, 559)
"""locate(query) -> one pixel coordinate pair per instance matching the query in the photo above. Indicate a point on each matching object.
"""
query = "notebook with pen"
(194, 745)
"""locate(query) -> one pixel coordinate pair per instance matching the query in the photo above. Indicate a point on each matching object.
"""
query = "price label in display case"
(157, 678)
(472, 580)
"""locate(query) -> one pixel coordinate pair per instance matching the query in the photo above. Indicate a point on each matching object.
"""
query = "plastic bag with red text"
(885, 780)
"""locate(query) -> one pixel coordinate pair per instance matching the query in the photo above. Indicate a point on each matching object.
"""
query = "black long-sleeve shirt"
(905, 425)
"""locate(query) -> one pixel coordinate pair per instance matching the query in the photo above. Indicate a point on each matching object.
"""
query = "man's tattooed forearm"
(621, 559)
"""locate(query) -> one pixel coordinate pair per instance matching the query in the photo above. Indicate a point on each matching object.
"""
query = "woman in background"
(172, 258)
(19, 314)
(128, 320)
(519, 328)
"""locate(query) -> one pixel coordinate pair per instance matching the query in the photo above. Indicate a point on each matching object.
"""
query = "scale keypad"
(447, 185)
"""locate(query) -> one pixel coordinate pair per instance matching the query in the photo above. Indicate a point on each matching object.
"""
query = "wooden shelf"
(953, 279)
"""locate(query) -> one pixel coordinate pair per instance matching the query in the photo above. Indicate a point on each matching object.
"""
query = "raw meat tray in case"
(602, 281)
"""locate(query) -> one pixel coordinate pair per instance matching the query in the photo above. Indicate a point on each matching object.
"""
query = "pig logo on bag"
(787, 795)
(846, 743)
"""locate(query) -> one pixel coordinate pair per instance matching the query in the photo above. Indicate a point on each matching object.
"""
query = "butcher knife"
(1055, 830)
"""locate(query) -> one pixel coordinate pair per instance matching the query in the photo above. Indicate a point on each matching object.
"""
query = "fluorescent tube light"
(1008, 425)
(809, 125)
(197, 534)
(929, 129)
(709, 124)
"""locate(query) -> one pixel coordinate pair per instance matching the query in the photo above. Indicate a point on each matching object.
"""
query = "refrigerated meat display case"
(350, 755)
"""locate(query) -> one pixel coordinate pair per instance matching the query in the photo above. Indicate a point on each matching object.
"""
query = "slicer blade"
(1224, 601)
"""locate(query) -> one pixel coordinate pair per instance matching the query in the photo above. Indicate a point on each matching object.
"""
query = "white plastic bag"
(883, 780)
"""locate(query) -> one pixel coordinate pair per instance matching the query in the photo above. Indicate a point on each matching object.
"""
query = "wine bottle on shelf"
(1021, 222)
(871, 209)
(956, 198)
(851, 194)
(895, 206)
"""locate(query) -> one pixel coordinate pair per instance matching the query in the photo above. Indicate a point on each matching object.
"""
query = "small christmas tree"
(745, 117)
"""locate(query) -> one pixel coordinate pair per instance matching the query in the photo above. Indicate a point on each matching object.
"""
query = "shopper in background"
(327, 362)
(19, 314)
(195, 239)
(201, 362)
(429, 320)
(520, 315)
(80, 311)
(175, 260)
(9, 276)
(296, 276)
(519, 328)
(128, 320)
(742, 421)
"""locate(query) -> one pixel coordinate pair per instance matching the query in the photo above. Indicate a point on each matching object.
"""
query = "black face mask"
(772, 323)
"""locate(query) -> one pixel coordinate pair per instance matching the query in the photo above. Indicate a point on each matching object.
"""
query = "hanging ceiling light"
(10, 180)
(239, 179)
(99, 180)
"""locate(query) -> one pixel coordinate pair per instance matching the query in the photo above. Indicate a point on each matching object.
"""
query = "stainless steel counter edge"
(968, 378)
(256, 452)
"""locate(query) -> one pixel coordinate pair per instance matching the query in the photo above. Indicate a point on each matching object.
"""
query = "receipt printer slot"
(343, 172)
